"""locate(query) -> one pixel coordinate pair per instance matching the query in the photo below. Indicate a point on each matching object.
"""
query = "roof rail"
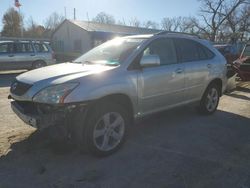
(174, 32)
(24, 39)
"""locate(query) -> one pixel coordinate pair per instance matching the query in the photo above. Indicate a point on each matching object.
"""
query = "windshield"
(113, 52)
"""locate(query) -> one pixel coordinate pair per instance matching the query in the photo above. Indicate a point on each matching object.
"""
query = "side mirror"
(150, 61)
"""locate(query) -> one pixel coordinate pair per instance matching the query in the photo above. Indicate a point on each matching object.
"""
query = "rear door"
(197, 61)
(161, 86)
(7, 56)
(24, 55)
(42, 52)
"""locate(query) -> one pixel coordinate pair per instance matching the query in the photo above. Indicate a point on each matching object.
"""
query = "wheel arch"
(218, 82)
(39, 60)
(121, 99)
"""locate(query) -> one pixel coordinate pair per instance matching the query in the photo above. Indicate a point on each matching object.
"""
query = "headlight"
(54, 94)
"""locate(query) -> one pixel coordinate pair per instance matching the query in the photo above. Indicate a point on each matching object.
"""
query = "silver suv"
(16, 55)
(97, 97)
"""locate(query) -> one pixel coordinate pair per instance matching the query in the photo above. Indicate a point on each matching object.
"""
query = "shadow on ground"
(177, 148)
(240, 92)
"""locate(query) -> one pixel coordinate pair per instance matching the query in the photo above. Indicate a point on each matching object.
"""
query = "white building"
(73, 38)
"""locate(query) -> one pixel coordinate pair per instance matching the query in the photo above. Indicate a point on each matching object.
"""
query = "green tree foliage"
(12, 22)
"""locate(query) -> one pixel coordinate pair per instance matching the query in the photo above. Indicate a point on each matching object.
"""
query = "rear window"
(41, 47)
(23, 48)
(190, 50)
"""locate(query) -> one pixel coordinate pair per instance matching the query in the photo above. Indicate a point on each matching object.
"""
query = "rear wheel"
(210, 100)
(38, 64)
(106, 129)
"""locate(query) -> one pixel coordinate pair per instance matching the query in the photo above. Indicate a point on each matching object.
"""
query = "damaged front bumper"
(42, 116)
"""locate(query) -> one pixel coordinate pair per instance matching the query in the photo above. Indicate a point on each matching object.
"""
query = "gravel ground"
(176, 149)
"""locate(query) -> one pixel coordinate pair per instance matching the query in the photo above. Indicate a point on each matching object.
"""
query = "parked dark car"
(228, 51)
(242, 65)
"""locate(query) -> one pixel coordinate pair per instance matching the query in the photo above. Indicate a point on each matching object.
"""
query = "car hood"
(60, 73)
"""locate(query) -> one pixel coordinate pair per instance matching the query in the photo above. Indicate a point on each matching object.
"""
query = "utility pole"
(65, 12)
(74, 14)
(21, 21)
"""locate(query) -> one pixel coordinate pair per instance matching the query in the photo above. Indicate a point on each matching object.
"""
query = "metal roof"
(119, 29)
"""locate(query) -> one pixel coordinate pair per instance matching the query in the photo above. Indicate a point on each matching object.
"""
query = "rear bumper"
(39, 121)
(51, 62)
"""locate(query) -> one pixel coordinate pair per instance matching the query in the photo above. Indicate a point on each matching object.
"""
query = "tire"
(210, 100)
(38, 64)
(106, 129)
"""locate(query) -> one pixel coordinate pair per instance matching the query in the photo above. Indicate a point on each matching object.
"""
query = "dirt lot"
(177, 149)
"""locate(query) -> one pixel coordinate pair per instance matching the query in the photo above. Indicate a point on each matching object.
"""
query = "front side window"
(6, 48)
(3, 48)
(164, 48)
(113, 52)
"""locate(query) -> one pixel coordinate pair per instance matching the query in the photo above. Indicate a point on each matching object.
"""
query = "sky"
(143, 10)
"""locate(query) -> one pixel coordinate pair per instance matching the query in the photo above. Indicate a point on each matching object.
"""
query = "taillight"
(53, 55)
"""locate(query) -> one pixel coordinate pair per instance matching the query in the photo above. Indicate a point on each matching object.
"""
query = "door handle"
(32, 54)
(11, 55)
(209, 66)
(179, 71)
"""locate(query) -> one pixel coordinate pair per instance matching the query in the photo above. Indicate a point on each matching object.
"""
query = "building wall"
(70, 41)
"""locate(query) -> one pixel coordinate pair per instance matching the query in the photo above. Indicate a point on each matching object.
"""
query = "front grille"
(19, 88)
(27, 107)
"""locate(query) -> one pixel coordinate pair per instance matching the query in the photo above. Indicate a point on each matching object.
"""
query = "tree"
(134, 22)
(12, 23)
(150, 25)
(105, 18)
(237, 24)
(34, 30)
(214, 13)
(170, 24)
(53, 21)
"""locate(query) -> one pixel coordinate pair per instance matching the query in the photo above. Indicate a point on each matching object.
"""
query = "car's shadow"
(177, 148)
(7, 78)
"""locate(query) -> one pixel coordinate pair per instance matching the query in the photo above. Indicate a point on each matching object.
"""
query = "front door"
(24, 55)
(162, 86)
(7, 56)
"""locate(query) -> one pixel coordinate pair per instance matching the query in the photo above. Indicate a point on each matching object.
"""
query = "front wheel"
(210, 100)
(106, 129)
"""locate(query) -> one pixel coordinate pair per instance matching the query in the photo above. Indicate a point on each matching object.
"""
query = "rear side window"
(164, 48)
(204, 52)
(189, 50)
(41, 47)
(23, 48)
(6, 48)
